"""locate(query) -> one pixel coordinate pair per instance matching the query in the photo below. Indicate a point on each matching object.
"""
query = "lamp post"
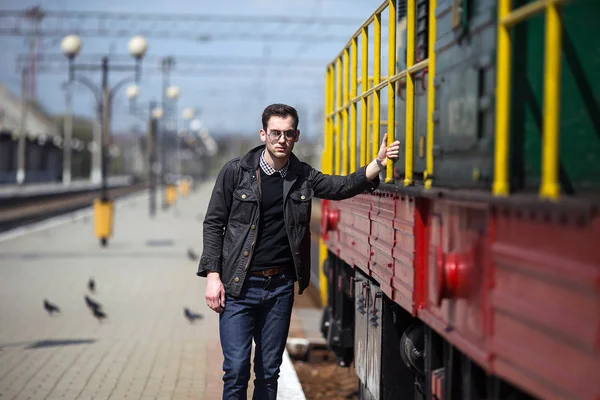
(172, 94)
(96, 149)
(137, 46)
(68, 135)
(22, 144)
(155, 113)
(188, 114)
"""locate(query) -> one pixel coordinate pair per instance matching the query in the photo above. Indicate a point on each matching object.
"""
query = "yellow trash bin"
(103, 220)
(184, 187)
(171, 194)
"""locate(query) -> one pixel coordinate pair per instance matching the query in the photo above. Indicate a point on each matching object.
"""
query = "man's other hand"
(215, 292)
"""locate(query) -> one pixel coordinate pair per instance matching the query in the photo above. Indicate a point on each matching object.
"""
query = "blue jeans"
(263, 312)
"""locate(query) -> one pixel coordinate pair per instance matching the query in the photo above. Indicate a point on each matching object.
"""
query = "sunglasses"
(289, 135)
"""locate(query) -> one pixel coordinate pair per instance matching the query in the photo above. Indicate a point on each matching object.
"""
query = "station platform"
(145, 347)
(44, 189)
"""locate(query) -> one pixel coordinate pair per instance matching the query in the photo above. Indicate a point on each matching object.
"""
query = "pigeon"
(51, 308)
(99, 314)
(191, 316)
(192, 255)
(92, 305)
(92, 285)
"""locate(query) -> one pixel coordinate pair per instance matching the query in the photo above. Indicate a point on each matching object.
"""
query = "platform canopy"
(36, 122)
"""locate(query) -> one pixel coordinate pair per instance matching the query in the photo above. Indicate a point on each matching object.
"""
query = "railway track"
(21, 213)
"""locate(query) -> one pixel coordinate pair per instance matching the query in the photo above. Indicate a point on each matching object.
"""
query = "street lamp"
(153, 115)
(172, 94)
(132, 91)
(157, 113)
(188, 113)
(196, 124)
(71, 46)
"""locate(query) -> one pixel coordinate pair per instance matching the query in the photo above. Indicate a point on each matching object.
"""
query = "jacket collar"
(250, 161)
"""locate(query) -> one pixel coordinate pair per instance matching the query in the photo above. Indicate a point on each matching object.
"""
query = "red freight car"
(455, 280)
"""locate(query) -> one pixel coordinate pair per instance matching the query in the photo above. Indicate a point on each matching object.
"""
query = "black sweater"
(272, 248)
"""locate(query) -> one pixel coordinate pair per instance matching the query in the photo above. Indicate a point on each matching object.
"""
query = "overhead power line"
(200, 27)
(61, 60)
(161, 17)
(37, 23)
(190, 71)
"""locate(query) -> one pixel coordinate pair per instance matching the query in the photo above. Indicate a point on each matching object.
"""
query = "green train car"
(473, 271)
(465, 98)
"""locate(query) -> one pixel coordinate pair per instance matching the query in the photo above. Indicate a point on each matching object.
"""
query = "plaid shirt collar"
(267, 169)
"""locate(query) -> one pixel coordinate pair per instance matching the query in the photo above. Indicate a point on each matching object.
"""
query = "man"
(257, 244)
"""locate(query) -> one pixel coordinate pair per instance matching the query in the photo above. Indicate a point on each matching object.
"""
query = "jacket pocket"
(302, 204)
(244, 204)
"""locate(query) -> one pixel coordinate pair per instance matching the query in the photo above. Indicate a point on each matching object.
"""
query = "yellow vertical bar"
(370, 104)
(326, 123)
(376, 80)
(500, 187)
(410, 94)
(326, 167)
(346, 143)
(364, 102)
(353, 70)
(391, 118)
(430, 94)
(550, 188)
(330, 167)
(338, 105)
(329, 126)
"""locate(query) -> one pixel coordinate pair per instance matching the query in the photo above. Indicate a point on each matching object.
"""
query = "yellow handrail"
(337, 133)
(500, 186)
(389, 173)
(346, 96)
(353, 71)
(421, 65)
(410, 95)
(376, 77)
(343, 95)
(529, 10)
(364, 139)
(365, 24)
(345, 69)
(326, 167)
(430, 95)
(550, 187)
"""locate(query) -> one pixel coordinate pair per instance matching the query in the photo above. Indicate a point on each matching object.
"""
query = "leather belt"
(269, 272)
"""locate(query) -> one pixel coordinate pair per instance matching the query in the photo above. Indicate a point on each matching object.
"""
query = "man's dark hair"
(279, 110)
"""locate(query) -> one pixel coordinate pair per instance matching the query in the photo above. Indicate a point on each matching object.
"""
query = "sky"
(226, 102)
